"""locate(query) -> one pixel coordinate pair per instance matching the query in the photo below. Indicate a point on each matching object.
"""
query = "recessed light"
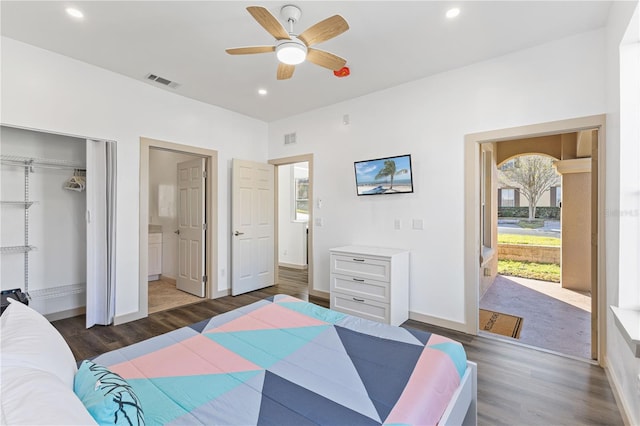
(453, 12)
(262, 92)
(71, 11)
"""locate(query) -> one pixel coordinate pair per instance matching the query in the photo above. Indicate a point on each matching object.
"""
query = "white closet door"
(100, 232)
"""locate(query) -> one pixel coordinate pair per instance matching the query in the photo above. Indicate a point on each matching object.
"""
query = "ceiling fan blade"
(324, 30)
(325, 59)
(268, 22)
(285, 71)
(249, 50)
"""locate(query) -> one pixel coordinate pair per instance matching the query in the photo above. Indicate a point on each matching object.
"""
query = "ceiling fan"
(292, 49)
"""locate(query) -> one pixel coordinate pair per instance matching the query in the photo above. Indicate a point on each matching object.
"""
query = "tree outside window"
(533, 175)
(301, 200)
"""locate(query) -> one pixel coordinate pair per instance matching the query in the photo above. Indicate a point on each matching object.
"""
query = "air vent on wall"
(290, 138)
(163, 81)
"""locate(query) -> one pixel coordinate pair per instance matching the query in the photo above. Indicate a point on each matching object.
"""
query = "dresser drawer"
(361, 267)
(361, 287)
(360, 307)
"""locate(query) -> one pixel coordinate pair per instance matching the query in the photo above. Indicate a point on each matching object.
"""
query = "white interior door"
(100, 216)
(191, 227)
(252, 222)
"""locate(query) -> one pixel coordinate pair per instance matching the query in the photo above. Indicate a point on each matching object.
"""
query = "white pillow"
(35, 397)
(27, 339)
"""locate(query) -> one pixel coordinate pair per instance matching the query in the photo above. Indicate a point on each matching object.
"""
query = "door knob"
(238, 233)
(177, 231)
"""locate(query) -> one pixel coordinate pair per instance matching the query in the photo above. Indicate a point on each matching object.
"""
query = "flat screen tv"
(389, 175)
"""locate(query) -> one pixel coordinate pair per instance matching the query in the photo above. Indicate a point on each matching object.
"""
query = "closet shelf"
(61, 291)
(16, 249)
(17, 160)
(25, 204)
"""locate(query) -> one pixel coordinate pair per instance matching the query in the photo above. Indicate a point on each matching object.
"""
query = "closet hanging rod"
(39, 162)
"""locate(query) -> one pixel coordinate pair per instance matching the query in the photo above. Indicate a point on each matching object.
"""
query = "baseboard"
(168, 279)
(221, 293)
(620, 402)
(293, 266)
(319, 294)
(121, 319)
(439, 322)
(69, 313)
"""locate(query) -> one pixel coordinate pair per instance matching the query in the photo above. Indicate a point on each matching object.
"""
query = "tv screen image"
(389, 175)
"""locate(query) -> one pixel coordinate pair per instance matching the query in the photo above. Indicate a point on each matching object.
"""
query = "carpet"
(499, 323)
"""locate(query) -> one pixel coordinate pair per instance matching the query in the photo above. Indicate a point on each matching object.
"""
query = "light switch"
(318, 221)
(417, 224)
(397, 224)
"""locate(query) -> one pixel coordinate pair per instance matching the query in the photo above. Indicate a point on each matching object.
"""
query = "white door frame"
(472, 211)
(211, 236)
(282, 162)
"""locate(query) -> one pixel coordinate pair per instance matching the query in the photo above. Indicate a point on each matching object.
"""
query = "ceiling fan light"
(291, 52)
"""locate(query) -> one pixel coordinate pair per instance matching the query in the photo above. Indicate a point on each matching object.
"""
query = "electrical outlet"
(397, 224)
(417, 224)
(318, 221)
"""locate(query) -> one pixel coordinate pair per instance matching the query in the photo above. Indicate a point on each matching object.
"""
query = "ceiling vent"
(163, 81)
(290, 138)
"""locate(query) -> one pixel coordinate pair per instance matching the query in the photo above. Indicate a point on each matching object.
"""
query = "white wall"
(292, 236)
(56, 222)
(44, 90)
(428, 118)
(623, 217)
(163, 203)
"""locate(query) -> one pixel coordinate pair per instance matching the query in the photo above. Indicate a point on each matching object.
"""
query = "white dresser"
(370, 282)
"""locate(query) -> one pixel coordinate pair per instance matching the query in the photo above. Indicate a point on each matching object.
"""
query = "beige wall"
(576, 231)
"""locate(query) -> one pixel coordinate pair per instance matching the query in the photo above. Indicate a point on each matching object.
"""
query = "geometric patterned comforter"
(283, 361)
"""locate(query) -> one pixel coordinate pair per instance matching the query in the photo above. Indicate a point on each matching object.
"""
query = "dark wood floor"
(516, 385)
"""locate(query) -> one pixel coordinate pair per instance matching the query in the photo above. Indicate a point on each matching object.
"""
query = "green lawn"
(533, 240)
(536, 271)
(531, 224)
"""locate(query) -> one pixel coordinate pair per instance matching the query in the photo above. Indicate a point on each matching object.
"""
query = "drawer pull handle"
(358, 300)
(358, 260)
(360, 280)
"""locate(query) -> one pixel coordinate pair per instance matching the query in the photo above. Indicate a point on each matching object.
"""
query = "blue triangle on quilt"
(422, 336)
(241, 403)
(268, 346)
(314, 311)
(284, 403)
(324, 367)
(384, 365)
(157, 395)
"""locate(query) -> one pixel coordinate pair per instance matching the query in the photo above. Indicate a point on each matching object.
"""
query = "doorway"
(477, 273)
(170, 177)
(159, 214)
(540, 294)
(294, 235)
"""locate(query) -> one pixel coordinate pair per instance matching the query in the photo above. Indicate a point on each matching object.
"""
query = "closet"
(43, 232)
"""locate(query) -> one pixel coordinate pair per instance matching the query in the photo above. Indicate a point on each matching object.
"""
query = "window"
(301, 200)
(508, 197)
(558, 199)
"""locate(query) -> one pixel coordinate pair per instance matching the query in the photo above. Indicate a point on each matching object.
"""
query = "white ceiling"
(388, 43)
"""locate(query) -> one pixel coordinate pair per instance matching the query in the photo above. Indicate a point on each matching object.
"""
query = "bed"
(277, 361)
